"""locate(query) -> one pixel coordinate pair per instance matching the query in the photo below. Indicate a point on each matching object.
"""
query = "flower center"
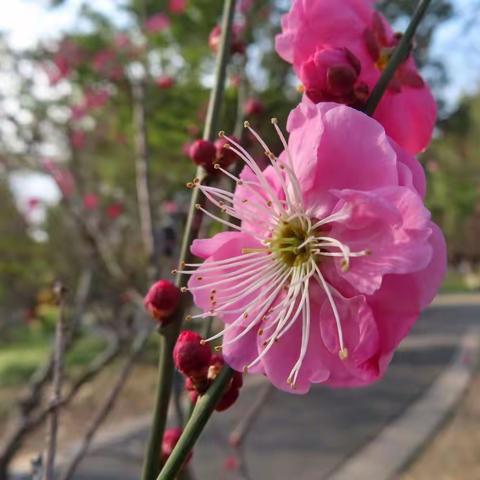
(290, 243)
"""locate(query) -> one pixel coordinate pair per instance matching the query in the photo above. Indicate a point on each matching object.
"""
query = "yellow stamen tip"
(198, 206)
(184, 289)
(246, 124)
(218, 348)
(174, 271)
(189, 185)
(343, 354)
(344, 266)
(188, 318)
(216, 166)
(221, 133)
(301, 89)
(274, 120)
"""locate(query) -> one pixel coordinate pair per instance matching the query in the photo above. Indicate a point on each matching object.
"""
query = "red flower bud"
(228, 399)
(232, 391)
(237, 46)
(203, 153)
(165, 82)
(170, 439)
(225, 156)
(254, 106)
(190, 356)
(161, 300)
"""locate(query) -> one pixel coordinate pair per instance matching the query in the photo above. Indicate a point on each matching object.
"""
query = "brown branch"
(142, 173)
(107, 406)
(58, 370)
(239, 434)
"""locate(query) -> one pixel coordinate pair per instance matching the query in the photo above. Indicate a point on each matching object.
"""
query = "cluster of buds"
(207, 154)
(194, 359)
(161, 301)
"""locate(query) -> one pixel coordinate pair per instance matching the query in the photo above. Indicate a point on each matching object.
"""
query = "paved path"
(308, 437)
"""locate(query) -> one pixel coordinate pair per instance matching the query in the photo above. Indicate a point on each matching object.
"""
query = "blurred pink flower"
(63, 178)
(157, 23)
(114, 210)
(32, 203)
(177, 6)
(334, 258)
(90, 201)
(78, 138)
(165, 82)
(68, 56)
(93, 99)
(106, 64)
(313, 37)
(245, 5)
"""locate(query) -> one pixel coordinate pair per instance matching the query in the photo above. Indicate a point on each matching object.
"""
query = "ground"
(454, 453)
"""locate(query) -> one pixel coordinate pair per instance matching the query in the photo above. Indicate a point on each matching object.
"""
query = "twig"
(142, 172)
(239, 433)
(107, 406)
(399, 56)
(169, 335)
(29, 402)
(200, 416)
(58, 367)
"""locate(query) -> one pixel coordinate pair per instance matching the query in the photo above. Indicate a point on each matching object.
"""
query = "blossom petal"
(393, 225)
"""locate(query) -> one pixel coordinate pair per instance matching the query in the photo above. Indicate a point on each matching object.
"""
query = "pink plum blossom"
(90, 201)
(93, 99)
(165, 82)
(177, 6)
(63, 178)
(114, 210)
(340, 49)
(332, 260)
(157, 23)
(67, 58)
(106, 64)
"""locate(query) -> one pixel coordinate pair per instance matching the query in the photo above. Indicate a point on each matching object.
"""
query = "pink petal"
(393, 225)
(401, 298)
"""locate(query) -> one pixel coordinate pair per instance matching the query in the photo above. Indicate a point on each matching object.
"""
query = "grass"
(27, 349)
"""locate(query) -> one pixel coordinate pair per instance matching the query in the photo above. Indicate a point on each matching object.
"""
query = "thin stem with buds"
(170, 334)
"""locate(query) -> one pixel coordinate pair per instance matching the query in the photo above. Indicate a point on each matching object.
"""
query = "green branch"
(200, 416)
(398, 57)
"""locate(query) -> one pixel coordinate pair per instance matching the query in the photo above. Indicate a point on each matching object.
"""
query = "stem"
(200, 416)
(399, 55)
(169, 336)
(142, 171)
(58, 366)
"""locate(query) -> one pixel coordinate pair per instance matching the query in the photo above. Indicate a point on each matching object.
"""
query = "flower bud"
(165, 82)
(190, 356)
(203, 152)
(228, 399)
(253, 107)
(232, 390)
(170, 439)
(237, 45)
(225, 156)
(161, 300)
